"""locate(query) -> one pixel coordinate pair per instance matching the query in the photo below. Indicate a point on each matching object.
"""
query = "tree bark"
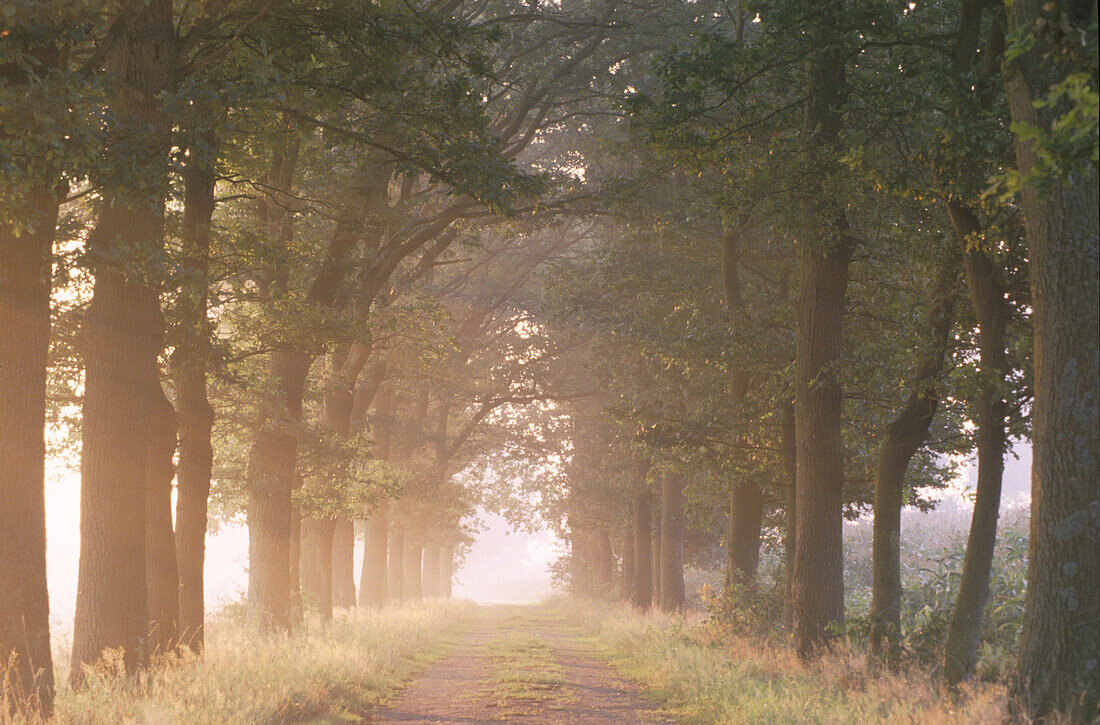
(25, 261)
(271, 479)
(121, 338)
(790, 535)
(642, 591)
(655, 557)
(412, 588)
(605, 562)
(818, 586)
(672, 543)
(626, 590)
(987, 298)
(343, 564)
(446, 570)
(746, 518)
(190, 364)
(397, 564)
(373, 585)
(1057, 669)
(295, 610)
(430, 571)
(905, 434)
(316, 565)
(161, 573)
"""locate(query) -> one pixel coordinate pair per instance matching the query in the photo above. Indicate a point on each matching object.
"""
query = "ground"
(520, 665)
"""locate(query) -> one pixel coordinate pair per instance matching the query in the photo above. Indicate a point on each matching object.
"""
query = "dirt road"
(520, 665)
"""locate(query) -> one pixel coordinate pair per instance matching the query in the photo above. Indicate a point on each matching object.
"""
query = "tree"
(25, 255)
(122, 337)
(1050, 77)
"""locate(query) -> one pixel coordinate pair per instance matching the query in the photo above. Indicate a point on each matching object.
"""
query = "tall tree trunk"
(790, 535)
(412, 587)
(626, 590)
(25, 261)
(655, 557)
(295, 610)
(271, 479)
(430, 569)
(905, 434)
(161, 574)
(316, 565)
(818, 590)
(373, 583)
(446, 570)
(1057, 668)
(605, 561)
(397, 564)
(343, 564)
(746, 518)
(672, 543)
(642, 591)
(190, 363)
(121, 338)
(987, 297)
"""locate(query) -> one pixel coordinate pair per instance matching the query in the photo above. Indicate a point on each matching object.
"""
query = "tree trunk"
(790, 535)
(316, 565)
(397, 564)
(430, 571)
(412, 587)
(655, 557)
(672, 543)
(343, 564)
(25, 330)
(626, 590)
(161, 574)
(746, 518)
(373, 585)
(446, 570)
(987, 297)
(295, 610)
(903, 437)
(605, 562)
(1057, 668)
(642, 591)
(818, 586)
(196, 417)
(271, 479)
(121, 338)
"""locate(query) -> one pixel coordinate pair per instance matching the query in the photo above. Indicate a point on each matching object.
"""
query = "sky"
(502, 566)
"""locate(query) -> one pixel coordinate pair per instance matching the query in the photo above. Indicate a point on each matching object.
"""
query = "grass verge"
(745, 680)
(323, 674)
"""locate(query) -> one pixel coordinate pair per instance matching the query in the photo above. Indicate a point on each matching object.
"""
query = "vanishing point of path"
(520, 665)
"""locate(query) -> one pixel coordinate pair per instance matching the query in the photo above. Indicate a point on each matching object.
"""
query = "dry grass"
(330, 673)
(747, 680)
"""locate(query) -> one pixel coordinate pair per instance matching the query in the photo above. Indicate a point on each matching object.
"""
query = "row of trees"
(713, 271)
(270, 233)
(819, 289)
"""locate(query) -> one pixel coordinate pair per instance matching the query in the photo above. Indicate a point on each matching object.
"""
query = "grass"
(745, 679)
(322, 674)
(524, 678)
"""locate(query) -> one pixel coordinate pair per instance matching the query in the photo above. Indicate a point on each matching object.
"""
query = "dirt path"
(520, 665)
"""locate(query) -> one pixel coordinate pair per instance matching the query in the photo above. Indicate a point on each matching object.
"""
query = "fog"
(501, 566)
